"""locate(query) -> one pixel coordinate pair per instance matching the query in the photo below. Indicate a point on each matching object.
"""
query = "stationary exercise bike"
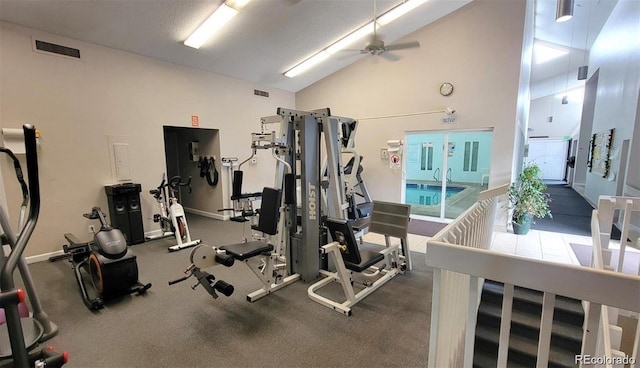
(171, 217)
(111, 267)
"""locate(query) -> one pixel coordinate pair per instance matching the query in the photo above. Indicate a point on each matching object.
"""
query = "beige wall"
(480, 55)
(113, 96)
(616, 54)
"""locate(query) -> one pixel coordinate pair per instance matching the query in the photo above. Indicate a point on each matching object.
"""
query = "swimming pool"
(427, 195)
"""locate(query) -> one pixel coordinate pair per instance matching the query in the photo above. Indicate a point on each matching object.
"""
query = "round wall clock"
(446, 89)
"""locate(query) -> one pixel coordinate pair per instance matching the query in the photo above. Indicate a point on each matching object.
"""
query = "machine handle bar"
(179, 280)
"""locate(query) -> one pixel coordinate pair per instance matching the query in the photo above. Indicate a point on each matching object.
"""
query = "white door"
(550, 156)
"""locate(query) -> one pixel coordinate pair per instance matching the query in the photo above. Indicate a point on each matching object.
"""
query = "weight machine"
(288, 248)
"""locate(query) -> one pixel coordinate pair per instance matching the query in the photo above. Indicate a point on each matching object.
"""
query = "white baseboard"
(43, 257)
(216, 216)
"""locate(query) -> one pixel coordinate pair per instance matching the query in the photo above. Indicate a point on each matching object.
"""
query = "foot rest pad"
(242, 251)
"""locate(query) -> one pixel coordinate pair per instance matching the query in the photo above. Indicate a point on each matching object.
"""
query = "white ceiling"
(270, 36)
(267, 38)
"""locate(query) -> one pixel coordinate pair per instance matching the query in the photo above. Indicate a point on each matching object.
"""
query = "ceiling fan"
(376, 45)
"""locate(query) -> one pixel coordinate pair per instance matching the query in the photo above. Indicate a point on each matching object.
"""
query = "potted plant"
(528, 199)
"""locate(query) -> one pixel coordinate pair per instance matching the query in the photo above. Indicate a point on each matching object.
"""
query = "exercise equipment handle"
(14, 327)
(6, 275)
(179, 280)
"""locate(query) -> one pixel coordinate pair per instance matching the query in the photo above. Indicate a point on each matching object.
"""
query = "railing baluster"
(472, 316)
(590, 333)
(544, 340)
(435, 318)
(505, 325)
(636, 345)
(625, 233)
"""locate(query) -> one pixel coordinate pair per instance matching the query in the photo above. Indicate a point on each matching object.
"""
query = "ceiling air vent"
(57, 49)
(258, 92)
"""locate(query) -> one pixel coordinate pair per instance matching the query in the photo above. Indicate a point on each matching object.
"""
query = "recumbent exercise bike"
(107, 261)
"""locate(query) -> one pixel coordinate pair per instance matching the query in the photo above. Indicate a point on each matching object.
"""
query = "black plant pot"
(522, 225)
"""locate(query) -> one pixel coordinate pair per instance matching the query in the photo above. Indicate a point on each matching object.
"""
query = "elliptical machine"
(20, 335)
(172, 219)
(107, 261)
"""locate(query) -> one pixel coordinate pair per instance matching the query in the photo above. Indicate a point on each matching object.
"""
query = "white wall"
(113, 96)
(616, 54)
(480, 56)
(566, 118)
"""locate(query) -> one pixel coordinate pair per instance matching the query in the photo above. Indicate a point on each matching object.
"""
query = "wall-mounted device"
(193, 151)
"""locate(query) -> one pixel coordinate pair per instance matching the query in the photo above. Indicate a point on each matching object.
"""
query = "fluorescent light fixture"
(307, 64)
(564, 10)
(350, 38)
(543, 53)
(399, 11)
(222, 15)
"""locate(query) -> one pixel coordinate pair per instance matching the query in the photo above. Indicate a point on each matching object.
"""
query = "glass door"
(445, 171)
(468, 162)
(423, 168)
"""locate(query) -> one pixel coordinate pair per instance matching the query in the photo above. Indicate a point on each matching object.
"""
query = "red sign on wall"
(195, 121)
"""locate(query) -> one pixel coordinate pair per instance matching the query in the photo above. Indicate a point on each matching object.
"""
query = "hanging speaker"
(565, 99)
(582, 72)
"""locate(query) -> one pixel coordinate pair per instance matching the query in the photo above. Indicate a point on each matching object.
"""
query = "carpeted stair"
(566, 338)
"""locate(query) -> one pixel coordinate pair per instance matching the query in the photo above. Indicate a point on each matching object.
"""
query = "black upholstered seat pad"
(369, 258)
(242, 251)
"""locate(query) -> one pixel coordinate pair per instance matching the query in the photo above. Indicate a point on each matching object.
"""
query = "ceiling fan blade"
(404, 45)
(389, 56)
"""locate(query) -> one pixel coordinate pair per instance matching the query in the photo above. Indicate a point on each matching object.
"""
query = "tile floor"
(553, 247)
(537, 244)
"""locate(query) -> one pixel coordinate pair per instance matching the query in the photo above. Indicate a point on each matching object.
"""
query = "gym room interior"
(117, 98)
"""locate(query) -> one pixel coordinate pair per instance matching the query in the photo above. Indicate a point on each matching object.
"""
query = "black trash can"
(125, 210)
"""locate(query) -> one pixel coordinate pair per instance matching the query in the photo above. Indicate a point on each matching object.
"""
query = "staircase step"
(522, 351)
(565, 335)
(567, 310)
(566, 338)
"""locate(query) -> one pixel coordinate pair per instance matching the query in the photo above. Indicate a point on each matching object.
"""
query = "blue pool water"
(425, 194)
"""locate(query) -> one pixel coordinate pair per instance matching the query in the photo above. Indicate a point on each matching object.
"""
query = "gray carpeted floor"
(174, 326)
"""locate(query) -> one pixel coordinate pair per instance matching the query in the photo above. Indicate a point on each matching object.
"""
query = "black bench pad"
(242, 251)
(369, 258)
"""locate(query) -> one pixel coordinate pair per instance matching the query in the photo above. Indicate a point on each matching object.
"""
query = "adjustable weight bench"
(377, 266)
(260, 255)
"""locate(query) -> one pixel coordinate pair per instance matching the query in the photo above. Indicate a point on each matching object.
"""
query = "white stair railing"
(460, 258)
(607, 340)
(454, 293)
